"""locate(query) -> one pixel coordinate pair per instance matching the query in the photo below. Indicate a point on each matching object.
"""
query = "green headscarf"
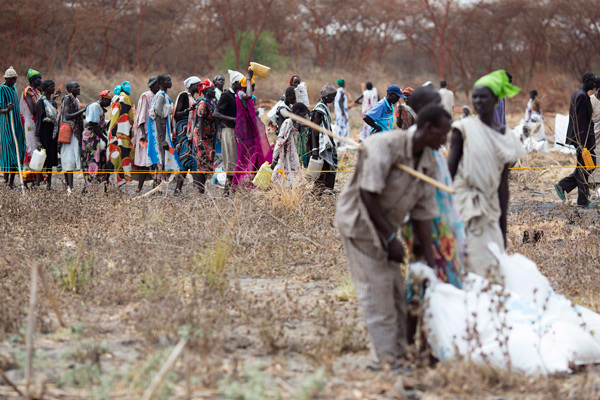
(340, 82)
(32, 73)
(499, 84)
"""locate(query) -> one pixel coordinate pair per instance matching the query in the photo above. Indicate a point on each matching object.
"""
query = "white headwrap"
(428, 83)
(234, 77)
(10, 73)
(190, 81)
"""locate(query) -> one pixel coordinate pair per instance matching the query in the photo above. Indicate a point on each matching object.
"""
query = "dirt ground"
(256, 284)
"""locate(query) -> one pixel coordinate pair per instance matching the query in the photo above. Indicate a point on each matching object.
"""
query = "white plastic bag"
(543, 331)
(302, 94)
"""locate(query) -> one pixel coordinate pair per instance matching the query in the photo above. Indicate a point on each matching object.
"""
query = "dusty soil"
(257, 285)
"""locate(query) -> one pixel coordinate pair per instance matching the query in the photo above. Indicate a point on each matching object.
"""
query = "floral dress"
(448, 232)
(205, 135)
(92, 157)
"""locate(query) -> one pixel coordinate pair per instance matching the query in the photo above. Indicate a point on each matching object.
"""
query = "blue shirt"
(382, 114)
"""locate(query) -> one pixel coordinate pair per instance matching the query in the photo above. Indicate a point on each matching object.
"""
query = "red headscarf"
(105, 94)
(205, 84)
(292, 78)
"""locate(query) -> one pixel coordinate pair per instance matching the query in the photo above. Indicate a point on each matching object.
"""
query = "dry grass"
(257, 283)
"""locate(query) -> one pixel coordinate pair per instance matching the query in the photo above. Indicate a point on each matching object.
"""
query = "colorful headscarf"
(340, 82)
(328, 89)
(244, 83)
(499, 84)
(32, 73)
(408, 91)
(190, 81)
(205, 84)
(117, 90)
(11, 73)
(105, 94)
(234, 77)
(126, 87)
(292, 78)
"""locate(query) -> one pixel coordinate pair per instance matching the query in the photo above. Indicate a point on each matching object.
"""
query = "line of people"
(154, 138)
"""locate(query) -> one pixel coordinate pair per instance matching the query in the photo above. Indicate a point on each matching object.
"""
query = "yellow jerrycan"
(587, 159)
(260, 70)
(262, 180)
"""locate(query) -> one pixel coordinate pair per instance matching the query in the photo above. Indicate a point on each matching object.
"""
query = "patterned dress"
(205, 135)
(161, 107)
(448, 232)
(92, 157)
(182, 131)
(287, 155)
(120, 148)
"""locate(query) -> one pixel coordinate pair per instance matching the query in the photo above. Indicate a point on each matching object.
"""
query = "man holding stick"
(370, 211)
(12, 135)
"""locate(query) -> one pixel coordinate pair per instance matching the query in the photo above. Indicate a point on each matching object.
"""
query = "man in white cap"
(226, 111)
(10, 128)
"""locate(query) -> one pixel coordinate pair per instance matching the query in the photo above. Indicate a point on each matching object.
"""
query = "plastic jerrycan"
(587, 159)
(37, 160)
(260, 70)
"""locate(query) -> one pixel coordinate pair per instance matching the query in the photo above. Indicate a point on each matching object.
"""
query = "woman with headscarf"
(161, 153)
(285, 154)
(406, 116)
(368, 99)
(46, 129)
(140, 130)
(183, 125)
(205, 134)
(94, 141)
(481, 151)
(295, 80)
(323, 147)
(251, 152)
(70, 148)
(31, 94)
(340, 106)
(120, 148)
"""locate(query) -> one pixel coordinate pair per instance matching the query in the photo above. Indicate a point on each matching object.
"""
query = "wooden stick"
(164, 370)
(151, 192)
(30, 326)
(12, 125)
(402, 167)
